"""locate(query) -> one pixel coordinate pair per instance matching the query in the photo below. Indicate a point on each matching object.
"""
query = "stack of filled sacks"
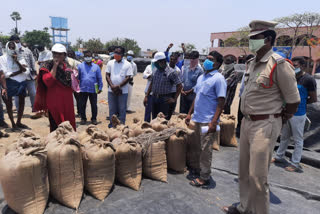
(98, 162)
(24, 175)
(128, 162)
(65, 165)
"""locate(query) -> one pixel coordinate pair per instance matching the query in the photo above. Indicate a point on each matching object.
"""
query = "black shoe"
(3, 124)
(83, 122)
(94, 122)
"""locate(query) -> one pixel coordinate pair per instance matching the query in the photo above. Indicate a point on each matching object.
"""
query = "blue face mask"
(208, 65)
(129, 58)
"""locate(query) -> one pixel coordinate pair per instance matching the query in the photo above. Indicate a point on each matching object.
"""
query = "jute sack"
(65, 171)
(24, 178)
(64, 129)
(98, 167)
(159, 123)
(193, 149)
(227, 131)
(95, 135)
(86, 134)
(154, 162)
(176, 151)
(36, 141)
(128, 163)
(216, 142)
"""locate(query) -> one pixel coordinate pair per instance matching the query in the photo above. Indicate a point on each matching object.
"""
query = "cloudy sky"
(153, 23)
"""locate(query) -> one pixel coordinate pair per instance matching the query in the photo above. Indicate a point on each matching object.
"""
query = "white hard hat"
(159, 56)
(59, 48)
(130, 52)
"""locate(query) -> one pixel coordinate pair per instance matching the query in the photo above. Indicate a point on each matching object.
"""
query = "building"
(230, 43)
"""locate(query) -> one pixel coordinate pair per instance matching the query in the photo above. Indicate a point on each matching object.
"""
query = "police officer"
(270, 97)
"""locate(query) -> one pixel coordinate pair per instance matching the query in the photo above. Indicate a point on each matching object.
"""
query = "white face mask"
(255, 45)
(88, 59)
(297, 70)
(18, 45)
(11, 52)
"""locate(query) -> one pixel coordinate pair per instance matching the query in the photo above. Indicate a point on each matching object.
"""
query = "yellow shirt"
(256, 99)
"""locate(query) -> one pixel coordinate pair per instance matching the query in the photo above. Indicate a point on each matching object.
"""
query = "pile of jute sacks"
(65, 163)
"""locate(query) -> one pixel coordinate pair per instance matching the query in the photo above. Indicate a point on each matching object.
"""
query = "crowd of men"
(274, 94)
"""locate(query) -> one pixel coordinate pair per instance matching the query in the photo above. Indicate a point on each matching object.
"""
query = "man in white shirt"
(16, 72)
(130, 56)
(118, 73)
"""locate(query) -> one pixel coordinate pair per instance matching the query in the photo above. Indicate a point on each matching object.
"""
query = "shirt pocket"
(263, 81)
(206, 89)
(123, 73)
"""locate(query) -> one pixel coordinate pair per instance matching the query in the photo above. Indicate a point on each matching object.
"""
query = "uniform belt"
(260, 116)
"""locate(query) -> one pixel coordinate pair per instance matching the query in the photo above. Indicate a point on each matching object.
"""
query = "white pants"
(130, 88)
(292, 128)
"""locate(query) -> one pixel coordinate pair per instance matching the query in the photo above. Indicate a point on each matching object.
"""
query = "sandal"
(196, 183)
(293, 168)
(22, 126)
(231, 210)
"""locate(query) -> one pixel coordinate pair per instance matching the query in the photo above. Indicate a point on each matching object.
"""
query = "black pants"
(93, 97)
(53, 124)
(77, 97)
(186, 102)
(160, 104)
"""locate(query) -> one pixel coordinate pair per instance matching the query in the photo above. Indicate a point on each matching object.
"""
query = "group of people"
(274, 94)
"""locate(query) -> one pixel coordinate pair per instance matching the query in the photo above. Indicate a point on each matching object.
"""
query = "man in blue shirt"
(191, 70)
(180, 62)
(294, 127)
(90, 86)
(211, 89)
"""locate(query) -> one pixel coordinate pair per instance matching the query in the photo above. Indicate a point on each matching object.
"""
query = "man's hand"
(99, 91)
(171, 100)
(145, 101)
(183, 93)
(187, 120)
(4, 93)
(116, 89)
(286, 117)
(212, 127)
(56, 62)
(15, 57)
(170, 46)
(182, 45)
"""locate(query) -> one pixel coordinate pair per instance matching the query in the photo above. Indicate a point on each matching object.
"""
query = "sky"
(152, 23)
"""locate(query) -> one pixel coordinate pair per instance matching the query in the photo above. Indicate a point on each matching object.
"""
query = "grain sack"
(227, 131)
(98, 167)
(128, 163)
(96, 134)
(23, 135)
(64, 129)
(176, 151)
(216, 142)
(24, 177)
(87, 133)
(65, 171)
(154, 162)
(193, 149)
(114, 133)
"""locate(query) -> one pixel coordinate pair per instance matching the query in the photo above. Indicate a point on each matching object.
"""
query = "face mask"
(160, 67)
(88, 59)
(117, 57)
(18, 45)
(187, 62)
(297, 70)
(153, 67)
(11, 52)
(255, 45)
(129, 58)
(111, 54)
(208, 65)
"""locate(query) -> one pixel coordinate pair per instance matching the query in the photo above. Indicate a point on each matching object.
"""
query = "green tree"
(37, 37)
(239, 39)
(15, 16)
(128, 44)
(188, 47)
(310, 21)
(94, 45)
(231, 42)
(4, 39)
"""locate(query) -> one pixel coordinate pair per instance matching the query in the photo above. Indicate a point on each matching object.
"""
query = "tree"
(94, 45)
(231, 42)
(189, 47)
(239, 39)
(4, 39)
(15, 16)
(37, 37)
(79, 41)
(294, 22)
(128, 44)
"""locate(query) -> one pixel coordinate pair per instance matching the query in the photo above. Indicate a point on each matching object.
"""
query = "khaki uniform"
(204, 150)
(258, 138)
